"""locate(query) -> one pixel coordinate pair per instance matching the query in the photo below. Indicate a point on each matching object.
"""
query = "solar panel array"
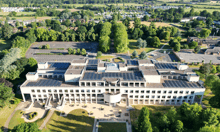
(59, 65)
(132, 62)
(91, 68)
(130, 76)
(93, 62)
(165, 65)
(180, 84)
(48, 83)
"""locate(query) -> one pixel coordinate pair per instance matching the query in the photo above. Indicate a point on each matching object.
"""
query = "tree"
(144, 124)
(197, 49)
(215, 101)
(178, 126)
(32, 62)
(143, 55)
(99, 54)
(70, 50)
(26, 127)
(193, 45)
(141, 43)
(6, 95)
(155, 42)
(177, 47)
(209, 129)
(218, 68)
(135, 53)
(7, 31)
(146, 18)
(209, 21)
(165, 35)
(120, 38)
(137, 22)
(213, 69)
(104, 43)
(210, 117)
(73, 37)
(137, 33)
(204, 33)
(74, 51)
(205, 69)
(210, 80)
(78, 51)
(83, 52)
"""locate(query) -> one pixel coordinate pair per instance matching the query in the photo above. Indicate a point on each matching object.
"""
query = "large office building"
(131, 82)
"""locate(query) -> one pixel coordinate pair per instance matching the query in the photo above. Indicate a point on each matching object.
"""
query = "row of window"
(159, 91)
(147, 96)
(72, 95)
(60, 90)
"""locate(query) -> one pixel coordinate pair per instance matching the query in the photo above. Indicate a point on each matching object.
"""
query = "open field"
(112, 127)
(16, 119)
(18, 13)
(5, 44)
(5, 113)
(72, 10)
(157, 24)
(76, 121)
(200, 9)
(30, 18)
(81, 5)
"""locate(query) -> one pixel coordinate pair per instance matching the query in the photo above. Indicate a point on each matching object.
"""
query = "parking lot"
(163, 57)
(91, 47)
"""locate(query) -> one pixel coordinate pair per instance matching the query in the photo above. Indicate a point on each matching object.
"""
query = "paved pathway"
(47, 119)
(20, 106)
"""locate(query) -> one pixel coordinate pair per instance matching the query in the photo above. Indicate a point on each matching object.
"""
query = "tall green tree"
(144, 124)
(26, 127)
(120, 38)
(6, 95)
(6, 31)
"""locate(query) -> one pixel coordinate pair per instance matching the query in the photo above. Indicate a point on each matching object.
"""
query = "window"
(60, 90)
(142, 91)
(88, 90)
(77, 91)
(83, 95)
(187, 92)
(72, 95)
(153, 91)
(66, 90)
(159, 92)
(71, 91)
(180, 97)
(117, 90)
(158, 97)
(169, 97)
(148, 91)
(45, 95)
(181, 92)
(32, 90)
(191, 97)
(93, 91)
(192, 92)
(131, 96)
(164, 92)
(49, 90)
(67, 95)
(175, 92)
(136, 96)
(106, 90)
(142, 96)
(131, 91)
(99, 91)
(147, 96)
(164, 97)
(93, 95)
(136, 91)
(39, 95)
(34, 95)
(38, 91)
(170, 92)
(152, 96)
(55, 91)
(88, 94)
(174, 97)
(185, 97)
(126, 91)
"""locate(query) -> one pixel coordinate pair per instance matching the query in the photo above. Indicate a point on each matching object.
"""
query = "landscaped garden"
(76, 121)
(16, 119)
(112, 127)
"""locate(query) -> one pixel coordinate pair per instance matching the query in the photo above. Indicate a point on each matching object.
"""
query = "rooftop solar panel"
(179, 83)
(48, 82)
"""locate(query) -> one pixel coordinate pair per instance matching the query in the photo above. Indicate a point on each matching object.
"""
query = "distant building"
(185, 20)
(214, 51)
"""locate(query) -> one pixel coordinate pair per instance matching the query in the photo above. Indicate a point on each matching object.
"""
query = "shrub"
(83, 52)
(78, 51)
(17, 101)
(32, 115)
(99, 54)
(74, 51)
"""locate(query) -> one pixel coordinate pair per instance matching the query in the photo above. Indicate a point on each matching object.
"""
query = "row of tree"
(188, 118)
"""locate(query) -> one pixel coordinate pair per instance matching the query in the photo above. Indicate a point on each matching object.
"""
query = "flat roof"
(74, 69)
(58, 65)
(79, 61)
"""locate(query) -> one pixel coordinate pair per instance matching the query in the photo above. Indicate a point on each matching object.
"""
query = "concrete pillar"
(193, 98)
(201, 99)
(85, 83)
(32, 98)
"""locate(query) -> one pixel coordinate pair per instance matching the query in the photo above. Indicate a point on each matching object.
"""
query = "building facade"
(132, 82)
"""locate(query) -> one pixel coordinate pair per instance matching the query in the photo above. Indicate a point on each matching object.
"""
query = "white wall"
(152, 78)
(112, 98)
(193, 78)
(72, 78)
(32, 77)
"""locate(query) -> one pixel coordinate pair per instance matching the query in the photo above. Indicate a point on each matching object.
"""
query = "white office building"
(132, 82)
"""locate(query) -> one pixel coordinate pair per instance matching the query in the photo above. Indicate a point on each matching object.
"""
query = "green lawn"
(133, 46)
(5, 113)
(5, 44)
(18, 13)
(76, 121)
(41, 121)
(112, 127)
(16, 119)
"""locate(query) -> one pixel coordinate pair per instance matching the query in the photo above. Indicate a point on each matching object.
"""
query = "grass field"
(72, 10)
(5, 113)
(157, 24)
(199, 9)
(30, 18)
(16, 119)
(5, 44)
(105, 57)
(76, 121)
(133, 46)
(112, 127)
(18, 13)
(41, 121)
